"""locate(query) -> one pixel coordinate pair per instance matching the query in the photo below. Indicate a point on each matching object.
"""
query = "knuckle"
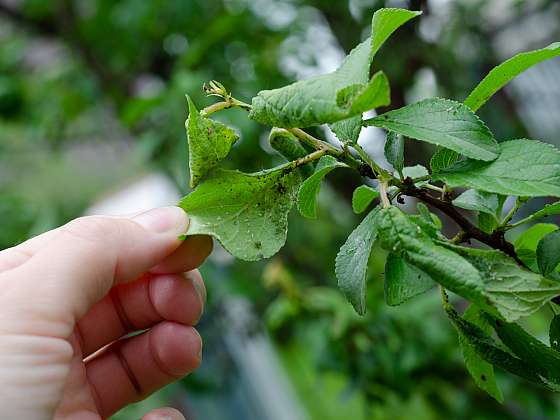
(95, 228)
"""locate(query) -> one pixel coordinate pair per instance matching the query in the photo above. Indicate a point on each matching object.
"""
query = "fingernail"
(200, 289)
(164, 220)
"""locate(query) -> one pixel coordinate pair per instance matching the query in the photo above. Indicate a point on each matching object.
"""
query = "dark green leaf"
(526, 243)
(500, 75)
(209, 143)
(385, 22)
(548, 253)
(307, 196)
(290, 148)
(394, 150)
(404, 281)
(554, 333)
(352, 259)
(363, 197)
(524, 168)
(442, 122)
(443, 158)
(478, 201)
(247, 213)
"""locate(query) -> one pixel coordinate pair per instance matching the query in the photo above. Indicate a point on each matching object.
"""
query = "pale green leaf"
(554, 333)
(548, 253)
(478, 201)
(209, 143)
(444, 123)
(524, 168)
(307, 196)
(443, 158)
(526, 244)
(500, 75)
(394, 150)
(290, 148)
(352, 260)
(481, 371)
(513, 291)
(404, 281)
(363, 197)
(247, 213)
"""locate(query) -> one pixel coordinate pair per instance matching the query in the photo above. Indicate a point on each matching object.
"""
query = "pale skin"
(70, 296)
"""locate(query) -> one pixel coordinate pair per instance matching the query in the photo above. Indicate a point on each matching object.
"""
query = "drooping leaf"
(363, 197)
(526, 244)
(443, 158)
(513, 291)
(478, 201)
(352, 259)
(404, 281)
(540, 357)
(307, 196)
(394, 150)
(444, 123)
(404, 238)
(487, 349)
(548, 253)
(247, 213)
(500, 75)
(314, 101)
(554, 333)
(429, 216)
(290, 148)
(209, 143)
(481, 371)
(524, 168)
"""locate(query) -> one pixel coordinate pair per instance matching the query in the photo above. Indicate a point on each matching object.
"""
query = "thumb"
(164, 414)
(89, 255)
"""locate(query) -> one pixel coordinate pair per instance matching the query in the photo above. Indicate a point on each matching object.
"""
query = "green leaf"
(290, 148)
(478, 201)
(548, 210)
(526, 244)
(500, 75)
(443, 158)
(416, 171)
(209, 143)
(247, 213)
(362, 198)
(481, 371)
(307, 196)
(542, 358)
(404, 281)
(512, 290)
(314, 101)
(399, 235)
(444, 123)
(487, 349)
(548, 253)
(524, 168)
(554, 333)
(394, 150)
(352, 259)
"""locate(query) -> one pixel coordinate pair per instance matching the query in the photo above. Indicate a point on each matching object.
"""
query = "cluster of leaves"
(504, 282)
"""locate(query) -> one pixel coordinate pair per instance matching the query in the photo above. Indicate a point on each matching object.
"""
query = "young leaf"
(542, 358)
(416, 171)
(290, 148)
(500, 75)
(524, 168)
(442, 122)
(548, 253)
(478, 201)
(526, 244)
(307, 196)
(554, 333)
(443, 158)
(362, 198)
(548, 210)
(247, 213)
(352, 259)
(512, 290)
(394, 150)
(209, 143)
(314, 101)
(399, 235)
(404, 281)
(481, 371)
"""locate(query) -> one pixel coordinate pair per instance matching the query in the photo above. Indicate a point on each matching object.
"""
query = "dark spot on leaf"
(258, 245)
(483, 377)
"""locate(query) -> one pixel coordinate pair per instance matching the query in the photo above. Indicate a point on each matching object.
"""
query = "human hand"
(71, 291)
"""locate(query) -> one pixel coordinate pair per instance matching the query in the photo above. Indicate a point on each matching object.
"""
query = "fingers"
(165, 413)
(142, 304)
(192, 252)
(131, 369)
(89, 255)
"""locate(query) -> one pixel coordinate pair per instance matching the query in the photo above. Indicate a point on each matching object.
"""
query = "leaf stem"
(383, 194)
(518, 202)
(317, 154)
(378, 170)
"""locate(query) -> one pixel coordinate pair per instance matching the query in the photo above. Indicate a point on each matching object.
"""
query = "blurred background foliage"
(92, 99)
